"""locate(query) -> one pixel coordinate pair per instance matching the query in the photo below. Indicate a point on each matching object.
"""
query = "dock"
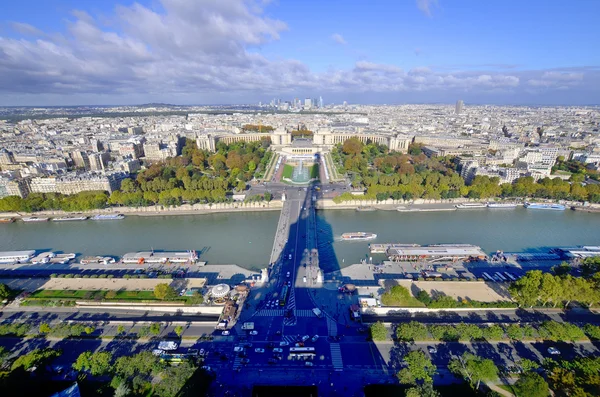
(383, 248)
(188, 257)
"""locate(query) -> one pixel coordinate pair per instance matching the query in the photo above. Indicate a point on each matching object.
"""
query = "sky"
(514, 52)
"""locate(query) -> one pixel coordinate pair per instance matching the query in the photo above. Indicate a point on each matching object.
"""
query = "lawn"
(314, 171)
(288, 170)
(89, 295)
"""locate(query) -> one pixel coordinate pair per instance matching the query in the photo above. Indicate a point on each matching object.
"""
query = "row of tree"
(537, 288)
(82, 201)
(135, 375)
(410, 176)
(547, 330)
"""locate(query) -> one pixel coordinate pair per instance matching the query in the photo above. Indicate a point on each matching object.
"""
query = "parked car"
(283, 343)
(254, 332)
(553, 350)
(431, 349)
(278, 350)
(259, 350)
(225, 333)
(238, 349)
(305, 338)
(315, 338)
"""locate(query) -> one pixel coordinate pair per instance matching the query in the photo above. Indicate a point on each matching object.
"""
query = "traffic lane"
(365, 354)
(32, 315)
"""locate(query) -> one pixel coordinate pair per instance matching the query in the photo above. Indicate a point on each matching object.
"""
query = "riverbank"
(159, 210)
(419, 205)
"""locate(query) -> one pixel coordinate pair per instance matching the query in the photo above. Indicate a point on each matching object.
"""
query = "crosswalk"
(331, 327)
(291, 304)
(305, 313)
(237, 362)
(269, 313)
(281, 312)
(336, 356)
(291, 339)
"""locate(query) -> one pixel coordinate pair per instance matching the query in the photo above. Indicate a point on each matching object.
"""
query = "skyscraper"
(459, 106)
(320, 102)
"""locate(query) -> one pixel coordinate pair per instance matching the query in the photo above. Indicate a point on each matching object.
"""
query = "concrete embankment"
(159, 210)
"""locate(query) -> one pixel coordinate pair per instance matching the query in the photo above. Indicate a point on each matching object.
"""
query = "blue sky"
(235, 51)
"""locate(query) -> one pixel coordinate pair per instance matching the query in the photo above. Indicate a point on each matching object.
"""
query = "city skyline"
(240, 52)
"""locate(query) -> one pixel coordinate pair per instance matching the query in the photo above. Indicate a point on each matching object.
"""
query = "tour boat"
(537, 206)
(466, 206)
(358, 236)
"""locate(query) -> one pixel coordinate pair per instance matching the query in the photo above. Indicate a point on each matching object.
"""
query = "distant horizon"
(311, 110)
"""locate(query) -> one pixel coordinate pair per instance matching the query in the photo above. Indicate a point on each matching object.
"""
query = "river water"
(246, 239)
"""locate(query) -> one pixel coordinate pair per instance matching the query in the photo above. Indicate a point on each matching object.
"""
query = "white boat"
(34, 219)
(502, 205)
(69, 218)
(358, 236)
(105, 260)
(554, 207)
(466, 206)
(107, 217)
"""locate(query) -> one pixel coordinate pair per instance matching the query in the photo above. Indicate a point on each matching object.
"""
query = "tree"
(530, 384)
(89, 329)
(5, 292)
(474, 369)
(410, 332)
(164, 291)
(352, 146)
(268, 196)
(174, 380)
(241, 186)
(419, 368)
(97, 363)
(35, 358)
(45, 328)
(424, 390)
(179, 330)
(123, 390)
(378, 331)
(155, 328)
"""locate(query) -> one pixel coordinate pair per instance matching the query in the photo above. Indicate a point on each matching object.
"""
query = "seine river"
(246, 239)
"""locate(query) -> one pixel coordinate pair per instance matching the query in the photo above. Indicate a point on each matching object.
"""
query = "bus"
(487, 277)
(283, 296)
(306, 353)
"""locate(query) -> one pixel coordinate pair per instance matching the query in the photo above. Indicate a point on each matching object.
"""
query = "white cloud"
(338, 38)
(210, 49)
(427, 6)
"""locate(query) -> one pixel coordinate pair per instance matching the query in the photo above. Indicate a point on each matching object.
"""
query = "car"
(315, 338)
(202, 352)
(254, 332)
(305, 338)
(245, 361)
(238, 349)
(259, 350)
(553, 350)
(283, 343)
(278, 350)
(431, 349)
(288, 274)
(225, 333)
(304, 278)
(206, 368)
(157, 352)
(246, 344)
(182, 292)
(308, 364)
(272, 360)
